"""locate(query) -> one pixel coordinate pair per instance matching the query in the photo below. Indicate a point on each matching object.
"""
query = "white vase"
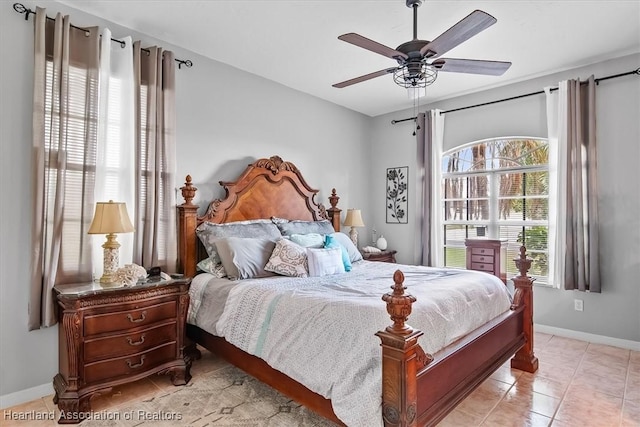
(381, 243)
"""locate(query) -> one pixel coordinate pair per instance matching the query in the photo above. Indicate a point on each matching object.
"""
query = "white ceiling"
(295, 42)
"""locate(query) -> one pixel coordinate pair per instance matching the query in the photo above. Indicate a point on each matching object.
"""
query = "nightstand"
(384, 256)
(114, 335)
(489, 255)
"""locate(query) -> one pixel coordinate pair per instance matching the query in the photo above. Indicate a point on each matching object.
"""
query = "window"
(498, 188)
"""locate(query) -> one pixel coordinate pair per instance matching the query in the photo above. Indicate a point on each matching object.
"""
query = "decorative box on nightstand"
(383, 256)
(114, 335)
(489, 255)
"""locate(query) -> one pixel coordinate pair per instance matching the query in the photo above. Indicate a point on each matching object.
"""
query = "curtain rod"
(20, 8)
(553, 89)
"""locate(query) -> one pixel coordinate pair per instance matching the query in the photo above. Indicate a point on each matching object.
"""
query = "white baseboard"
(24, 396)
(584, 336)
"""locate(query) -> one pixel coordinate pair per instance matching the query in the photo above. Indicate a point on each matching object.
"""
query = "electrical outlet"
(578, 305)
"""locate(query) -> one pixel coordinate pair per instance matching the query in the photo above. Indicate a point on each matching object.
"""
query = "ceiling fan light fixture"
(408, 76)
(416, 92)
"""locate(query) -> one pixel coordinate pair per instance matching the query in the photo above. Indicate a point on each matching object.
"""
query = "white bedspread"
(320, 330)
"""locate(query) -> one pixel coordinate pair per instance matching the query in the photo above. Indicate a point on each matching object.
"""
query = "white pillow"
(288, 259)
(323, 262)
(344, 240)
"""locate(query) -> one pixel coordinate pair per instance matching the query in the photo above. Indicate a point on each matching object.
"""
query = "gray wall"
(614, 313)
(226, 118)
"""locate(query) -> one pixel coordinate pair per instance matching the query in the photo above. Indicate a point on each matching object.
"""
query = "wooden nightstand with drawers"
(114, 335)
(489, 255)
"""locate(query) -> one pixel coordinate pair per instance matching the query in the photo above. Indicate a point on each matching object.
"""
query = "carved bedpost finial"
(188, 191)
(402, 358)
(399, 305)
(522, 282)
(334, 212)
(333, 198)
(523, 264)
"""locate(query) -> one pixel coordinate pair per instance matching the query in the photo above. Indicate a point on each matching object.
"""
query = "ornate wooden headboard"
(267, 188)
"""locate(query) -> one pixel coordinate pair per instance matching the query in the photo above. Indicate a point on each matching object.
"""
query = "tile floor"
(578, 384)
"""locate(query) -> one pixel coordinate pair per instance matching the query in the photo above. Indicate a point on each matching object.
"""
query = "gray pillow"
(344, 240)
(209, 232)
(305, 227)
(244, 258)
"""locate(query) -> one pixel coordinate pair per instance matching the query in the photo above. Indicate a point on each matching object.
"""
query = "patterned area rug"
(224, 397)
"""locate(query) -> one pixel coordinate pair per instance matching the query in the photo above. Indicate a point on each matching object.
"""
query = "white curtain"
(115, 169)
(557, 188)
(430, 139)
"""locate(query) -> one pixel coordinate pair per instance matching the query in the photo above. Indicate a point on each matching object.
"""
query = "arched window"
(498, 188)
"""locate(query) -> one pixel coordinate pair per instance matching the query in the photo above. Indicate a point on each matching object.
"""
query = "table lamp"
(353, 220)
(110, 218)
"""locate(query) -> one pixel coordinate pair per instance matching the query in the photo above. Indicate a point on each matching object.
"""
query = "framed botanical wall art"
(397, 195)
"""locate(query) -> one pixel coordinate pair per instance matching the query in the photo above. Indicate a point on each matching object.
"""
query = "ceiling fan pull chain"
(416, 126)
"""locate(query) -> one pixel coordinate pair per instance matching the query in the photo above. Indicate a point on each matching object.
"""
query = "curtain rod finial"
(20, 8)
(182, 62)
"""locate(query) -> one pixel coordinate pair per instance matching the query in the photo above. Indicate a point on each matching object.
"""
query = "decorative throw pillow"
(244, 258)
(330, 242)
(344, 240)
(305, 227)
(311, 240)
(212, 265)
(323, 262)
(277, 220)
(209, 232)
(288, 259)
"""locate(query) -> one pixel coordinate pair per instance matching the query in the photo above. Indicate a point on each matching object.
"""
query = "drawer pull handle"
(141, 319)
(130, 341)
(132, 366)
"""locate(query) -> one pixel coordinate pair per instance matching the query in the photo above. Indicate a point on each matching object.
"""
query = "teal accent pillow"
(331, 242)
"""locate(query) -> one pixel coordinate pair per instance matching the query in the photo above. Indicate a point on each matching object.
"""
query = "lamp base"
(111, 259)
(353, 234)
(106, 279)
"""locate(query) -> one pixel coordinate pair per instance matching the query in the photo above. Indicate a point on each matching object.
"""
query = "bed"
(417, 387)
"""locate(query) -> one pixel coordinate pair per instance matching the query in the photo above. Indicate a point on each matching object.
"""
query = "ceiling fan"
(417, 63)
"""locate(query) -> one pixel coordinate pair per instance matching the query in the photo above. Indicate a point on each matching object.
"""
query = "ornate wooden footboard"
(418, 388)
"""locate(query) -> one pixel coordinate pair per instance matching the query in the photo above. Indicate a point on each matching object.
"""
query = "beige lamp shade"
(110, 217)
(354, 218)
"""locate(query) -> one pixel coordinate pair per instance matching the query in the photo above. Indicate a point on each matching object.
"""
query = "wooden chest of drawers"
(487, 255)
(111, 336)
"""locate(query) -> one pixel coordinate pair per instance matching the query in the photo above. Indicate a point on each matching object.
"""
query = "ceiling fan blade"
(471, 66)
(466, 28)
(365, 77)
(368, 44)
